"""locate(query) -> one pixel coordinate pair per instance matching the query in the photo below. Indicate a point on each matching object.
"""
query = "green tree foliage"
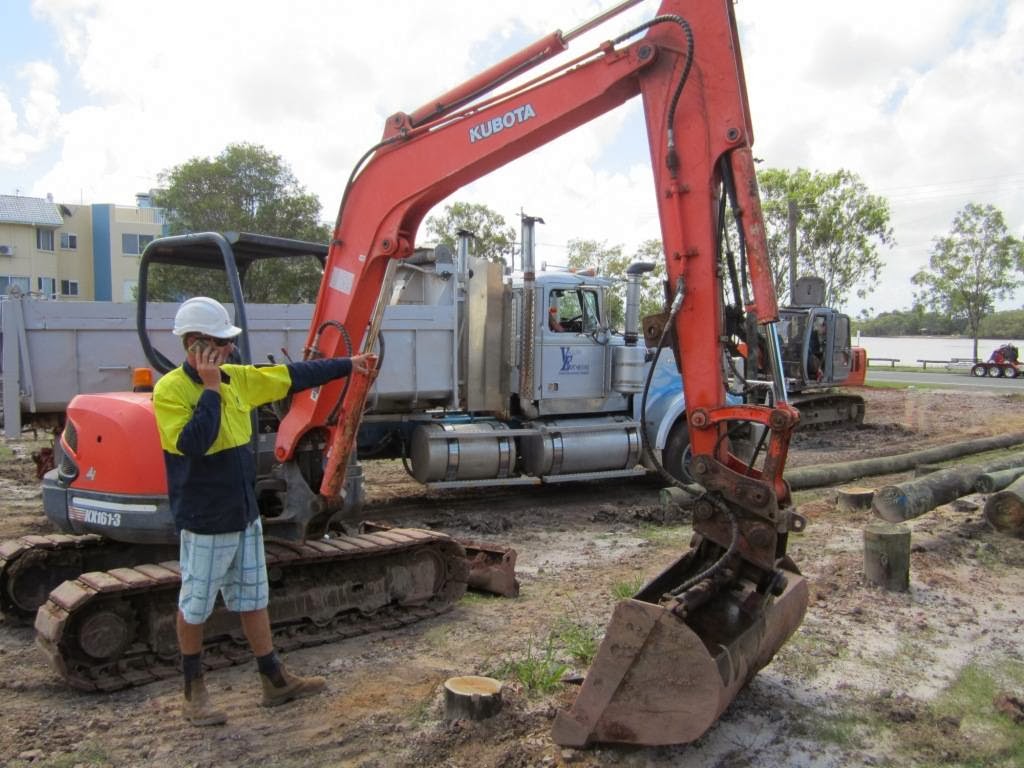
(840, 229)
(910, 322)
(971, 267)
(494, 238)
(1003, 325)
(245, 188)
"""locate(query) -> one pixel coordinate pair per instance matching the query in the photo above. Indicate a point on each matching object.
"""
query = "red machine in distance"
(675, 655)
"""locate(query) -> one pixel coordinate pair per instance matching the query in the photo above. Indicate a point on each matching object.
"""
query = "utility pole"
(792, 250)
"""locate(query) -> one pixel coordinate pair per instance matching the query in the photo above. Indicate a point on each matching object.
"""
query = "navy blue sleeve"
(313, 373)
(198, 435)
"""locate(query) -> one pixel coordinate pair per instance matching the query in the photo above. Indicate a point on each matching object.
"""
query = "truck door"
(574, 364)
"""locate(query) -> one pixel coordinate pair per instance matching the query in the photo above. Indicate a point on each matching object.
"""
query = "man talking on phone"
(202, 413)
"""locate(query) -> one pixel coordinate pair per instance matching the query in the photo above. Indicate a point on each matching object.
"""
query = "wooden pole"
(990, 482)
(887, 556)
(832, 474)
(897, 503)
(1005, 510)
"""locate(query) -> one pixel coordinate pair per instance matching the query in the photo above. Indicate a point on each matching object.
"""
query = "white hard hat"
(204, 315)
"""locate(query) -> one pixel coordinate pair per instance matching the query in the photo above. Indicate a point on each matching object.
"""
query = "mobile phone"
(198, 346)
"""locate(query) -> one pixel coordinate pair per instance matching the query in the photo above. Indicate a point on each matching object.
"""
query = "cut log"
(1004, 510)
(887, 556)
(905, 501)
(853, 499)
(833, 474)
(471, 697)
(990, 482)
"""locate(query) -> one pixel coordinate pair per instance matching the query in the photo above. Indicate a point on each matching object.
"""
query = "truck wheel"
(995, 371)
(676, 455)
(979, 370)
(1010, 371)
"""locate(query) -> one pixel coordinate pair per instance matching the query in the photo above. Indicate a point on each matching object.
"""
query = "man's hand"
(361, 363)
(207, 361)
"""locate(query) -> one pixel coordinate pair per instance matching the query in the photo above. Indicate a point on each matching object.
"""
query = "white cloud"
(21, 139)
(914, 96)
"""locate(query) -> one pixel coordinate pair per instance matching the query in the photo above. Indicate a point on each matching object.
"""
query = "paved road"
(952, 380)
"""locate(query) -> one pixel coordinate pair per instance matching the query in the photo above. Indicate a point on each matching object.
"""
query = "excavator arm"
(716, 613)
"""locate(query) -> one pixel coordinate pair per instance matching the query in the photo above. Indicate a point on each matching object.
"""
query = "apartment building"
(84, 252)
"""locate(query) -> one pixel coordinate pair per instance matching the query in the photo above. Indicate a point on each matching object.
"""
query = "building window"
(44, 239)
(12, 284)
(68, 287)
(47, 286)
(133, 245)
(68, 241)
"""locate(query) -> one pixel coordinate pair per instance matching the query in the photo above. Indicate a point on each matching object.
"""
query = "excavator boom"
(712, 619)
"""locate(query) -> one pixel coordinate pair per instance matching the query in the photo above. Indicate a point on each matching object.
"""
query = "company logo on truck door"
(568, 366)
(495, 125)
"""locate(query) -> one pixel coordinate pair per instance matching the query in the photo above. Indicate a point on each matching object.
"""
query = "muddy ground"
(870, 678)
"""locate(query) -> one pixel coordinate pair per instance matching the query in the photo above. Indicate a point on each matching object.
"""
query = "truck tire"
(1010, 371)
(676, 455)
(995, 370)
(979, 370)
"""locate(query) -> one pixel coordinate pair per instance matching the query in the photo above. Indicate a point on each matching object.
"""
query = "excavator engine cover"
(663, 678)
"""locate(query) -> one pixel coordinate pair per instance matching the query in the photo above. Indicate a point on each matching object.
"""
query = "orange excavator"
(674, 656)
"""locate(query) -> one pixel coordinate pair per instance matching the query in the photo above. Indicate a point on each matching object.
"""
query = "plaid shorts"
(230, 563)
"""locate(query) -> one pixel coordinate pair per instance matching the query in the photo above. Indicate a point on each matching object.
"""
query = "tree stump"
(853, 499)
(887, 556)
(471, 697)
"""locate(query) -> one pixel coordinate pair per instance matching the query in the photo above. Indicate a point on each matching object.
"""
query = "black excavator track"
(828, 410)
(113, 629)
(32, 566)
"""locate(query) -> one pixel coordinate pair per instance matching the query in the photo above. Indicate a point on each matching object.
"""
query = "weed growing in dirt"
(578, 640)
(540, 673)
(623, 590)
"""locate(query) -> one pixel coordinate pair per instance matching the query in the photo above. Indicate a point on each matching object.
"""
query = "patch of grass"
(539, 671)
(88, 754)
(846, 729)
(803, 656)
(623, 590)
(664, 534)
(475, 598)
(5, 452)
(580, 641)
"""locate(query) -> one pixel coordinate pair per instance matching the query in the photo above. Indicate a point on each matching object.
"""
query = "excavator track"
(828, 410)
(108, 630)
(32, 566)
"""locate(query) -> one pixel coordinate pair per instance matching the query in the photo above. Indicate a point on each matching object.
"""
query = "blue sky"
(923, 99)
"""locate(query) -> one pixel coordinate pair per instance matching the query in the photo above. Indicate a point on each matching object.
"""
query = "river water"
(909, 349)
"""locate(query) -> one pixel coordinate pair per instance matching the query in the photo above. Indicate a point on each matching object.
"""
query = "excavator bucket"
(659, 678)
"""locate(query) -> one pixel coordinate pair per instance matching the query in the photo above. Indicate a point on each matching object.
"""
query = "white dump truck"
(485, 378)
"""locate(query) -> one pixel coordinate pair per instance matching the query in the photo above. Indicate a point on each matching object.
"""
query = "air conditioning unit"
(6, 250)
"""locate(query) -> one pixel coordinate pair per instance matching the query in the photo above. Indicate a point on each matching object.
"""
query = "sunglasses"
(216, 342)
